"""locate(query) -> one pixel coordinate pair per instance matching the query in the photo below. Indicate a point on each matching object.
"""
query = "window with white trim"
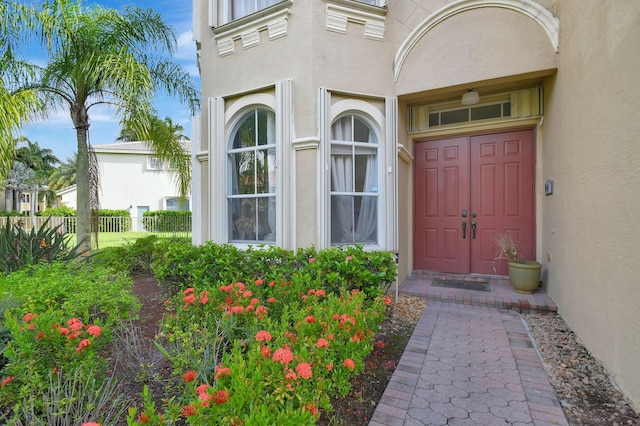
(354, 182)
(240, 8)
(154, 163)
(251, 169)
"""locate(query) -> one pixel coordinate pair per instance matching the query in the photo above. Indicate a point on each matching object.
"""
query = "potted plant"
(524, 274)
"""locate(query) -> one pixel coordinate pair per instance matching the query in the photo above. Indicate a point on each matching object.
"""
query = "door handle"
(464, 229)
(474, 227)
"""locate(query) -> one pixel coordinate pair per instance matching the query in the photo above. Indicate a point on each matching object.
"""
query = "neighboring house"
(131, 178)
(330, 122)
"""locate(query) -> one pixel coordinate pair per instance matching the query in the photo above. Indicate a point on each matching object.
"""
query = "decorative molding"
(248, 31)
(404, 154)
(529, 8)
(300, 144)
(339, 16)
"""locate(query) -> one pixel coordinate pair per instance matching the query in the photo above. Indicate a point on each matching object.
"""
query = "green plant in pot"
(524, 274)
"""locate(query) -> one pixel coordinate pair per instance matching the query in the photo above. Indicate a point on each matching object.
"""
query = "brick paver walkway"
(469, 365)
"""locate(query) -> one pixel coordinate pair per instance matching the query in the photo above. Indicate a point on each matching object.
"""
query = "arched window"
(252, 178)
(354, 182)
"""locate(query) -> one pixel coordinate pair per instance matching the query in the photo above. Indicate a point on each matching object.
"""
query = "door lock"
(464, 229)
(474, 227)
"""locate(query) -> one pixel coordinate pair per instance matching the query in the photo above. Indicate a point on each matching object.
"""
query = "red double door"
(467, 189)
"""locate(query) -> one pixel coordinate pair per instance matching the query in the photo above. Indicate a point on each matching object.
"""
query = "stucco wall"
(592, 151)
(125, 181)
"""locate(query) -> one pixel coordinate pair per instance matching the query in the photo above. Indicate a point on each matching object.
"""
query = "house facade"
(131, 178)
(425, 128)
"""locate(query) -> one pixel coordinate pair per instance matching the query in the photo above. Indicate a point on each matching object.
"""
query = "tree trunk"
(83, 212)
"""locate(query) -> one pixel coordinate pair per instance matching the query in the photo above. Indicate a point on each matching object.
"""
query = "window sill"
(247, 29)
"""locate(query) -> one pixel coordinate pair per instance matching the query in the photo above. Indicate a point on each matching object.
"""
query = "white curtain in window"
(343, 178)
(367, 221)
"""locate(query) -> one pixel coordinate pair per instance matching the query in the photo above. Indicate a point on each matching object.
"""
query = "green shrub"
(20, 248)
(335, 269)
(7, 213)
(88, 292)
(62, 211)
(167, 221)
(135, 258)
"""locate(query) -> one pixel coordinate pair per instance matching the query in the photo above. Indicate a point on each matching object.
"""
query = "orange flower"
(91, 424)
(28, 317)
(312, 409)
(265, 351)
(202, 388)
(75, 324)
(221, 396)
(329, 367)
(189, 410)
(40, 335)
(349, 364)
(143, 418)
(6, 381)
(304, 370)
(188, 291)
(291, 375)
(222, 371)
(263, 335)
(271, 299)
(64, 331)
(320, 293)
(312, 260)
(189, 300)
(189, 376)
(259, 281)
(94, 330)
(283, 355)
(387, 300)
(43, 243)
(322, 343)
(83, 344)
(310, 319)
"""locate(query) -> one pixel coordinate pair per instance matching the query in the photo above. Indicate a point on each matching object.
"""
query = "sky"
(58, 134)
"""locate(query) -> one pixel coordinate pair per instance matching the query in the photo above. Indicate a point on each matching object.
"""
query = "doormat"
(461, 284)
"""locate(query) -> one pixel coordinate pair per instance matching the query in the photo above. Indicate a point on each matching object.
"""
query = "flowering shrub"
(276, 369)
(45, 344)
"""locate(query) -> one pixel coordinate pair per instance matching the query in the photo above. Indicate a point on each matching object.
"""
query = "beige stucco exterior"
(313, 61)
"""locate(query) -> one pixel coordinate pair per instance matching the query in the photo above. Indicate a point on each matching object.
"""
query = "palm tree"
(36, 165)
(65, 175)
(170, 149)
(98, 56)
(34, 157)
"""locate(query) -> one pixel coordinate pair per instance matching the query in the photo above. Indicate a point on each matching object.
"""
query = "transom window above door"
(252, 186)
(354, 182)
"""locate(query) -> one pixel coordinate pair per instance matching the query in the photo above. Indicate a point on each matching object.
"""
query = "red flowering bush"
(271, 369)
(46, 343)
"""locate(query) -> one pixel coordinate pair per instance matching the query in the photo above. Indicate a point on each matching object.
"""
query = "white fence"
(113, 229)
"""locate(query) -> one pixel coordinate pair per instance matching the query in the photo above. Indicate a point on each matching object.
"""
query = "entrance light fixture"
(470, 97)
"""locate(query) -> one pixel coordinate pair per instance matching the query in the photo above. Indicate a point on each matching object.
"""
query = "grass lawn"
(111, 239)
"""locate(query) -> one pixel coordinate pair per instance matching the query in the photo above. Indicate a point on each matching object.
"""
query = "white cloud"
(186, 47)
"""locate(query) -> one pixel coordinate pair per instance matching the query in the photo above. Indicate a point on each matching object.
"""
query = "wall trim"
(529, 8)
(249, 33)
(404, 154)
(339, 16)
(311, 142)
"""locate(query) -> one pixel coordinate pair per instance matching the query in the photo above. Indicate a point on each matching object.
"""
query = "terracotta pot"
(525, 276)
